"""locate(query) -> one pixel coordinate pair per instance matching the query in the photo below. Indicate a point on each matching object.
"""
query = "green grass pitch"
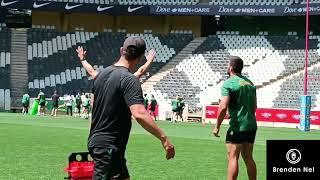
(37, 148)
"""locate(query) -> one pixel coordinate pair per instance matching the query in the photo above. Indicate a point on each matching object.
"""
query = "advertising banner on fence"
(200, 9)
(235, 10)
(271, 115)
(76, 7)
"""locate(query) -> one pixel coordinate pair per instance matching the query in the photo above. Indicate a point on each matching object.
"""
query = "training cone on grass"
(79, 167)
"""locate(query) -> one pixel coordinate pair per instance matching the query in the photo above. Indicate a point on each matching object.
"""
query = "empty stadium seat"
(5, 60)
(55, 57)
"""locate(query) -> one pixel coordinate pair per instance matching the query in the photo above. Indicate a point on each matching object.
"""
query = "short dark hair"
(236, 63)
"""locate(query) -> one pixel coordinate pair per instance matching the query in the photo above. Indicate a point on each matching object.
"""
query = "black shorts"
(239, 137)
(42, 104)
(25, 105)
(55, 105)
(108, 164)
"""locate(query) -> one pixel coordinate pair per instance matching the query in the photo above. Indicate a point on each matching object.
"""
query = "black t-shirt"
(115, 90)
(55, 99)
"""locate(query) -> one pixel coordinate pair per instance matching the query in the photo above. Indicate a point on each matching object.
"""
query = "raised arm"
(82, 56)
(150, 57)
(93, 73)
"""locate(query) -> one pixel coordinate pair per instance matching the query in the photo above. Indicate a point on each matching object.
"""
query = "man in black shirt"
(55, 103)
(117, 96)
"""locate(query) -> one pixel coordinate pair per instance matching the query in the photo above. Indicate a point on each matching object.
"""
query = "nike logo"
(68, 7)
(133, 9)
(35, 5)
(7, 3)
(99, 8)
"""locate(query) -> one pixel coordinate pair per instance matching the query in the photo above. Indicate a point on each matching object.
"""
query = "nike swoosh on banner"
(133, 9)
(99, 8)
(68, 7)
(35, 5)
(7, 3)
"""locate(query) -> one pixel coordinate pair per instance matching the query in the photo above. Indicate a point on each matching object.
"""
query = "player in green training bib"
(42, 103)
(86, 106)
(174, 106)
(239, 97)
(25, 103)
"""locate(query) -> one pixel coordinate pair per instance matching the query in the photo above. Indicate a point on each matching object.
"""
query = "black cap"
(134, 45)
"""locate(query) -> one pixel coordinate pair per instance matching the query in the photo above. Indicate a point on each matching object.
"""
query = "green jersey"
(86, 102)
(174, 105)
(26, 99)
(242, 103)
(181, 104)
(145, 102)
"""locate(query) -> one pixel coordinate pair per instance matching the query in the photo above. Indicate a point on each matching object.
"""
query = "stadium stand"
(5, 58)
(268, 59)
(53, 63)
(197, 77)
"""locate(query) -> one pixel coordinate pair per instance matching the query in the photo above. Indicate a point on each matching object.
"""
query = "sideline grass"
(34, 148)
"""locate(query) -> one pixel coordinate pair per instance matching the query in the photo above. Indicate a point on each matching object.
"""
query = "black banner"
(206, 10)
(293, 159)
(75, 7)
(240, 10)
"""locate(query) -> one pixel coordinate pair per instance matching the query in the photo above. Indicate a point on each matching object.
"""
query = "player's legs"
(154, 115)
(109, 164)
(67, 110)
(23, 109)
(83, 111)
(246, 153)
(55, 111)
(71, 112)
(86, 112)
(52, 112)
(79, 109)
(39, 109)
(233, 152)
(43, 110)
(172, 116)
(180, 114)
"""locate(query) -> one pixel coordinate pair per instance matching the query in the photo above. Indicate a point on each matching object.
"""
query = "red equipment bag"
(80, 167)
